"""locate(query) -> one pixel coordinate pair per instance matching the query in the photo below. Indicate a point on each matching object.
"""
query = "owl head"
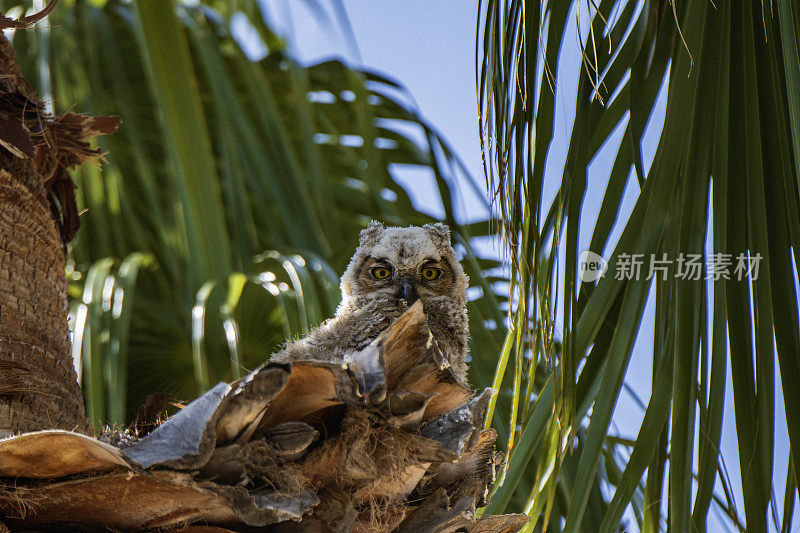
(408, 264)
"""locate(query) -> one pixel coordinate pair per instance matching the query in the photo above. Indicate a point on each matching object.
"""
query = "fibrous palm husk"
(314, 446)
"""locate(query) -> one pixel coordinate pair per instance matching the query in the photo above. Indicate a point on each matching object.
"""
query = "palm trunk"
(38, 383)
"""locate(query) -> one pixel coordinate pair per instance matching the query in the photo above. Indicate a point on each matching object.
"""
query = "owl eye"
(430, 273)
(381, 272)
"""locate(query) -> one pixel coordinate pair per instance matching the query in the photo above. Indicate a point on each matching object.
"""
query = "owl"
(391, 269)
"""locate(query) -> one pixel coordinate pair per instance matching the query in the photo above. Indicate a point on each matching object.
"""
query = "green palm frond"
(724, 180)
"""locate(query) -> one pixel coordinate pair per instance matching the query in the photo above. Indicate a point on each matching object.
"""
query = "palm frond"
(723, 185)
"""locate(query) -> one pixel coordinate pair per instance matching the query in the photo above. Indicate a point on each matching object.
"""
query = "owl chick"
(391, 269)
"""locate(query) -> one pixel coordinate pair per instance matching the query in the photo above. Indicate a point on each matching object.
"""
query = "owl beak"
(407, 291)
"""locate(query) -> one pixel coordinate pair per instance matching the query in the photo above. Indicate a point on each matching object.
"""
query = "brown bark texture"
(38, 215)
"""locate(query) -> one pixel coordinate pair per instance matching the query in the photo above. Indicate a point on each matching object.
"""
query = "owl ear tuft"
(439, 232)
(371, 233)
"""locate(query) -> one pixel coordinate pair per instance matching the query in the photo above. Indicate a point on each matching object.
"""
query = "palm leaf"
(723, 181)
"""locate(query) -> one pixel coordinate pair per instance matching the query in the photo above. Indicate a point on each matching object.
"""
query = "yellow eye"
(381, 272)
(430, 274)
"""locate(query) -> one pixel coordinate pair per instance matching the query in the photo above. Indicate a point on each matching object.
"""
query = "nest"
(389, 440)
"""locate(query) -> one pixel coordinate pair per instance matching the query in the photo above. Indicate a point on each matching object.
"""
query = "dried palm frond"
(310, 446)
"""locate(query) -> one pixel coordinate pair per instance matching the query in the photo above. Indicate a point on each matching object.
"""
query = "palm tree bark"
(38, 383)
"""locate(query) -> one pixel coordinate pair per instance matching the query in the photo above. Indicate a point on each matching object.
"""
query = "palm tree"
(38, 388)
(723, 184)
(64, 477)
(231, 197)
(233, 192)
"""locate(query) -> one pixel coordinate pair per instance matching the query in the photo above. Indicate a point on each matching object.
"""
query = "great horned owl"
(391, 269)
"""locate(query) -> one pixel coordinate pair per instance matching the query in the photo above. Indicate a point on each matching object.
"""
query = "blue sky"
(430, 47)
